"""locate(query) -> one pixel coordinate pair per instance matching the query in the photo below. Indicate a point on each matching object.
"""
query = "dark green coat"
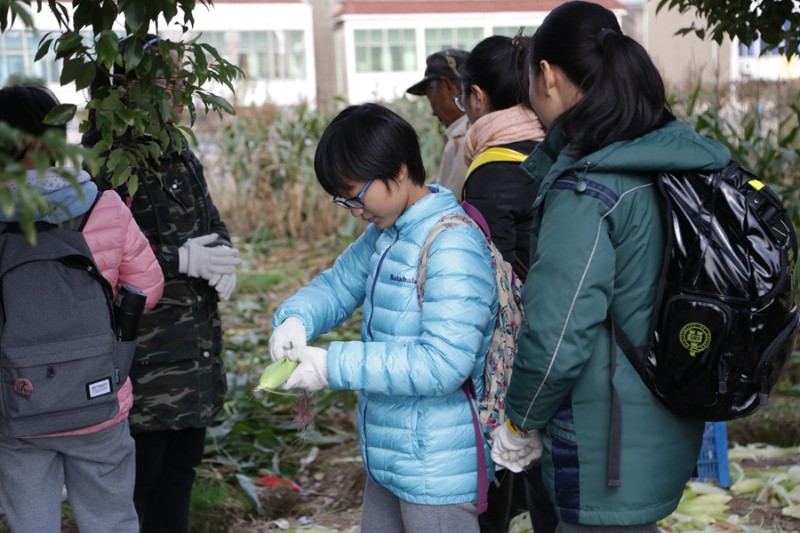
(178, 374)
(597, 244)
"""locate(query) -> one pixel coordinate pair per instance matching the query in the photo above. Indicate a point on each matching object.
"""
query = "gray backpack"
(61, 364)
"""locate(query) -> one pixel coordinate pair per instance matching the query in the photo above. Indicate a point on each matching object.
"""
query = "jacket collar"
(425, 211)
(458, 128)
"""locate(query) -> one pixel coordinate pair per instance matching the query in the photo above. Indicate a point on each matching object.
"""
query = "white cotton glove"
(312, 374)
(513, 451)
(287, 338)
(199, 260)
(224, 284)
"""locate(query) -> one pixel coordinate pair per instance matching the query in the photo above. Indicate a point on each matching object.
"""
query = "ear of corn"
(747, 486)
(276, 374)
(794, 474)
(792, 510)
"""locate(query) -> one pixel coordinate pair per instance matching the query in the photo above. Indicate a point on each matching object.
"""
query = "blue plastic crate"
(712, 465)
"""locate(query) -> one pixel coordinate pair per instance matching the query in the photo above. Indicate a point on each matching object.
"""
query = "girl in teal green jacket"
(596, 247)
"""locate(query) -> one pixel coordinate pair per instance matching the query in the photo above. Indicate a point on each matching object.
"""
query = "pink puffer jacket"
(124, 257)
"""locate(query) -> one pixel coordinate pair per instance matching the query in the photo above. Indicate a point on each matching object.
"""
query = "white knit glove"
(224, 284)
(513, 451)
(312, 374)
(199, 260)
(287, 338)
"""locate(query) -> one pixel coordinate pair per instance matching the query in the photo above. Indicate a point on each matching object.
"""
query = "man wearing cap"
(442, 82)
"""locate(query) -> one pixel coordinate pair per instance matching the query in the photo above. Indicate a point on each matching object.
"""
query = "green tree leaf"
(70, 71)
(107, 48)
(132, 56)
(84, 13)
(61, 114)
(20, 10)
(4, 9)
(44, 47)
(775, 22)
(68, 44)
(85, 75)
(135, 15)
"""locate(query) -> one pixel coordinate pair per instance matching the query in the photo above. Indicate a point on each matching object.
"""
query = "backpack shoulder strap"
(447, 221)
(635, 356)
(88, 213)
(475, 214)
(483, 483)
(493, 154)
(78, 224)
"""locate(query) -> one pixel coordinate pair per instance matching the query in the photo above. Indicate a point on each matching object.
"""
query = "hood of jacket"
(65, 200)
(673, 147)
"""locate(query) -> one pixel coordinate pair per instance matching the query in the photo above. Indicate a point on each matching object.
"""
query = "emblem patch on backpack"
(695, 337)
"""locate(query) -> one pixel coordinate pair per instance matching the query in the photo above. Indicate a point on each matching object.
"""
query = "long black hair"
(365, 142)
(623, 93)
(498, 65)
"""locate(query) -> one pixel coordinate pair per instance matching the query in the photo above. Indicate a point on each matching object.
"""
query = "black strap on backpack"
(95, 271)
(78, 224)
(618, 338)
(615, 425)
(88, 213)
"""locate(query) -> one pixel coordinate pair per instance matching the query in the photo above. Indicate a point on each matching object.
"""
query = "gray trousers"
(383, 512)
(98, 470)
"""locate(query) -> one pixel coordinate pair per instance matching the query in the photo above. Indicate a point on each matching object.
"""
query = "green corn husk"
(276, 374)
(747, 485)
(792, 510)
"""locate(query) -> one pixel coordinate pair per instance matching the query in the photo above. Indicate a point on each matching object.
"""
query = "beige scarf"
(518, 123)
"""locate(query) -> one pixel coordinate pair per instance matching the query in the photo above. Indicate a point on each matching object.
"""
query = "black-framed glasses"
(354, 202)
(458, 100)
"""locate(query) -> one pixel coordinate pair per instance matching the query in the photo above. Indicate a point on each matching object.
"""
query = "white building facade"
(381, 46)
(294, 51)
(749, 64)
(272, 41)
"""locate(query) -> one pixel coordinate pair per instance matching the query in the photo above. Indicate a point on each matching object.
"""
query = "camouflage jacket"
(178, 374)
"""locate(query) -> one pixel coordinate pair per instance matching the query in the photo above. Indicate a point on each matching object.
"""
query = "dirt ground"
(331, 499)
(768, 516)
(331, 502)
(334, 490)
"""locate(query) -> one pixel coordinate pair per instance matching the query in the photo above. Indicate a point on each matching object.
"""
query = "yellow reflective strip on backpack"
(492, 155)
(757, 185)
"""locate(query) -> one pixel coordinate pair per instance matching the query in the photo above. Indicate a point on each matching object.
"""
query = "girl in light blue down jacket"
(415, 422)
